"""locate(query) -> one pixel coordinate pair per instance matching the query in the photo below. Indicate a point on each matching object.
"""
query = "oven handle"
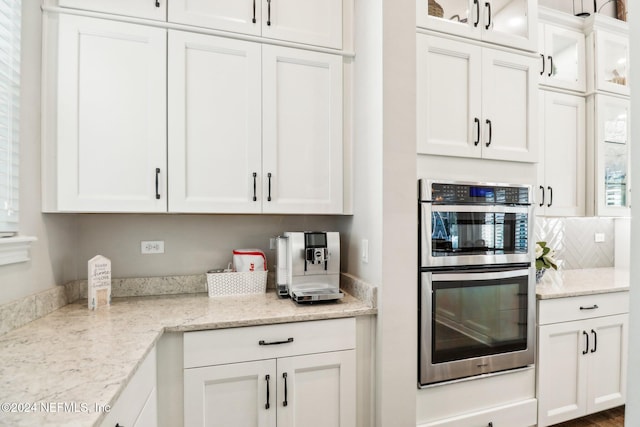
(480, 208)
(489, 275)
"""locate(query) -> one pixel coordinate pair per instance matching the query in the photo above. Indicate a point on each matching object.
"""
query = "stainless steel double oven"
(476, 279)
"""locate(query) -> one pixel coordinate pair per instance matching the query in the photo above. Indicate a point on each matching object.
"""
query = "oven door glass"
(475, 315)
(484, 231)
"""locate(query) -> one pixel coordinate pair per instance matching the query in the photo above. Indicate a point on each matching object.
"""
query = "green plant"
(545, 256)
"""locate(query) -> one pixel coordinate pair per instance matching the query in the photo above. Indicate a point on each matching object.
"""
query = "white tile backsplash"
(574, 241)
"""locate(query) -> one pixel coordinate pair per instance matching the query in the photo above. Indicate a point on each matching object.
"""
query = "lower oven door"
(475, 321)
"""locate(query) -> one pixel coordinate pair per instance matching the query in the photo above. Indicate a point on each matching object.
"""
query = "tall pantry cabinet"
(148, 111)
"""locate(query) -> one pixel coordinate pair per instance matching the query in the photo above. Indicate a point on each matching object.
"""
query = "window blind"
(10, 19)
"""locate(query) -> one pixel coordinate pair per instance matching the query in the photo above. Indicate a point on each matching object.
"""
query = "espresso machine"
(308, 266)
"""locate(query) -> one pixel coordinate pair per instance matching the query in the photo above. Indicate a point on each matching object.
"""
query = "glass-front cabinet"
(610, 147)
(562, 57)
(608, 56)
(505, 22)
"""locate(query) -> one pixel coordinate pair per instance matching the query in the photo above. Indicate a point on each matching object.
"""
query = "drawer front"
(204, 348)
(582, 307)
(516, 414)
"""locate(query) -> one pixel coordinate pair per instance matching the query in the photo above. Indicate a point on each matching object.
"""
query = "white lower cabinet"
(582, 361)
(137, 405)
(505, 399)
(280, 376)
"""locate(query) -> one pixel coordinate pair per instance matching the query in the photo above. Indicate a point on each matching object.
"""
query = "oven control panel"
(454, 193)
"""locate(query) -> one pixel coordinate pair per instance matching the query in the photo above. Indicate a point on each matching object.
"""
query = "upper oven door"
(453, 235)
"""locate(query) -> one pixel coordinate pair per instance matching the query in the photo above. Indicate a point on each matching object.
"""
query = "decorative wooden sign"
(99, 278)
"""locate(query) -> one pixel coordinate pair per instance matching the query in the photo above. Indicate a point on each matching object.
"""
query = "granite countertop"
(570, 283)
(84, 357)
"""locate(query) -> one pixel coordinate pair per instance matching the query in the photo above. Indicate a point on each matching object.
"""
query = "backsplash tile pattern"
(573, 240)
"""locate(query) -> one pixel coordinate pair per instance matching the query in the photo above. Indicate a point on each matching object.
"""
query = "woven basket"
(435, 9)
(245, 283)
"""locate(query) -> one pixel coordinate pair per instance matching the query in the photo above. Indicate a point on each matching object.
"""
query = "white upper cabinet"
(111, 118)
(215, 150)
(475, 102)
(562, 52)
(608, 160)
(302, 21)
(561, 170)
(302, 131)
(608, 55)
(149, 9)
(506, 22)
(277, 148)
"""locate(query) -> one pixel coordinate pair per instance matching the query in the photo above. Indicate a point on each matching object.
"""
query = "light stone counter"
(570, 283)
(81, 358)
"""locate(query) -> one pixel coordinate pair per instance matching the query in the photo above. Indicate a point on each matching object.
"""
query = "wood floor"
(610, 418)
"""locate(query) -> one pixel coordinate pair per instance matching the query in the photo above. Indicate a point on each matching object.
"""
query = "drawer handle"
(287, 341)
(593, 307)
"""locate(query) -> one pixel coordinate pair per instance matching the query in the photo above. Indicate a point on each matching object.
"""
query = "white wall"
(632, 416)
(52, 256)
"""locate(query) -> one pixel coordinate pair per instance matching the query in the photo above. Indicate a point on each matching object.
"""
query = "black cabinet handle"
(488, 6)
(543, 62)
(254, 186)
(586, 336)
(263, 342)
(157, 3)
(269, 195)
(595, 341)
(542, 201)
(477, 3)
(266, 405)
(477, 122)
(254, 12)
(269, 12)
(157, 184)
(550, 65)
(487, 121)
(592, 307)
(550, 197)
(490, 424)
(285, 403)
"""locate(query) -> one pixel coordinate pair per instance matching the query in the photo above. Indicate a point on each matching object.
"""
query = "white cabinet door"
(243, 16)
(317, 390)
(449, 96)
(234, 395)
(607, 362)
(303, 21)
(611, 62)
(510, 22)
(563, 58)
(111, 119)
(562, 372)
(509, 106)
(505, 22)
(148, 416)
(561, 171)
(608, 157)
(302, 131)
(215, 150)
(149, 9)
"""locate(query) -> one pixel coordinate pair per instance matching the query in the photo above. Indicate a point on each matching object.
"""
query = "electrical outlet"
(365, 251)
(152, 247)
(272, 243)
(599, 237)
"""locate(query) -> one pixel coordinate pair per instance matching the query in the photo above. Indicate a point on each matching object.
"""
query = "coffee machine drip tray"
(316, 292)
